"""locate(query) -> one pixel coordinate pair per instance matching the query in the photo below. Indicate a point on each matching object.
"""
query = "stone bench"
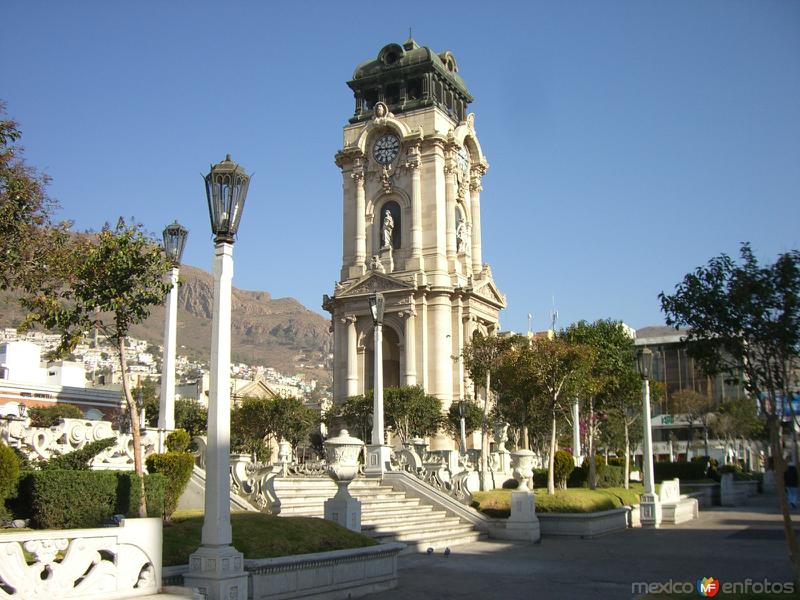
(731, 494)
(676, 507)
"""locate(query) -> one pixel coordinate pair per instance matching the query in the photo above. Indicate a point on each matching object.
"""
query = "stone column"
(415, 262)
(576, 432)
(441, 363)
(361, 227)
(423, 376)
(410, 375)
(216, 568)
(377, 453)
(451, 191)
(468, 326)
(352, 356)
(166, 407)
(475, 201)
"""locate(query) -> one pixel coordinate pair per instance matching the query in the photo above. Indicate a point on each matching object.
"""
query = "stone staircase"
(386, 515)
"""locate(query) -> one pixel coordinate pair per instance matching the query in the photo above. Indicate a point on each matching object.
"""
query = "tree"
(411, 412)
(251, 423)
(554, 367)
(473, 418)
(146, 397)
(481, 357)
(744, 317)
(623, 406)
(114, 280)
(737, 419)
(29, 241)
(191, 416)
(355, 413)
(604, 378)
(696, 408)
(47, 416)
(291, 420)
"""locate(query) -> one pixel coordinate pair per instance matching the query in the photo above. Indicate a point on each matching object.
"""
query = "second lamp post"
(377, 451)
(650, 506)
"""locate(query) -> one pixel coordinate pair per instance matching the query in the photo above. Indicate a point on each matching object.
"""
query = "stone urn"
(342, 454)
(419, 446)
(500, 436)
(522, 468)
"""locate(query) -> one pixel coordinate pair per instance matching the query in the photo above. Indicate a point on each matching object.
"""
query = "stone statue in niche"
(387, 229)
(461, 235)
(377, 265)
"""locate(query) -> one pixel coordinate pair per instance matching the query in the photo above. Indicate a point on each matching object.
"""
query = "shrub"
(616, 461)
(563, 465)
(9, 475)
(578, 478)
(78, 460)
(540, 478)
(510, 484)
(66, 499)
(178, 441)
(176, 467)
(47, 416)
(685, 471)
(611, 477)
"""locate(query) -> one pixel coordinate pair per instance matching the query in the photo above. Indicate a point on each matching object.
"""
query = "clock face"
(386, 149)
(463, 159)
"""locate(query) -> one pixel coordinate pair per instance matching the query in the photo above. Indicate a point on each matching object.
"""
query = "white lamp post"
(174, 242)
(377, 452)
(216, 568)
(462, 415)
(650, 506)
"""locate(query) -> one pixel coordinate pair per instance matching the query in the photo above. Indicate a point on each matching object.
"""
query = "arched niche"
(396, 213)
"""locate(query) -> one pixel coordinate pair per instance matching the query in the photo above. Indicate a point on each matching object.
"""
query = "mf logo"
(707, 587)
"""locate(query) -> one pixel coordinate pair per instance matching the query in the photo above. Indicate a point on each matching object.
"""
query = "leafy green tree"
(623, 408)
(146, 396)
(481, 356)
(251, 423)
(696, 408)
(555, 366)
(473, 418)
(605, 378)
(745, 317)
(355, 414)
(47, 416)
(116, 278)
(411, 412)
(737, 419)
(292, 420)
(191, 416)
(29, 241)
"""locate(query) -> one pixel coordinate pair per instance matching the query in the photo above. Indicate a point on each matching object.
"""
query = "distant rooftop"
(659, 334)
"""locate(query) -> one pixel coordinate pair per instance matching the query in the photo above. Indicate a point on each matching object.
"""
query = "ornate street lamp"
(174, 242)
(650, 506)
(216, 568)
(377, 452)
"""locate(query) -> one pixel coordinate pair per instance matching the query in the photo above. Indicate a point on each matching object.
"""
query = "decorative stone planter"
(585, 525)
(342, 456)
(522, 465)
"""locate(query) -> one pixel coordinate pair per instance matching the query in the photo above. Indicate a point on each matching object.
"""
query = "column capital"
(348, 319)
(407, 313)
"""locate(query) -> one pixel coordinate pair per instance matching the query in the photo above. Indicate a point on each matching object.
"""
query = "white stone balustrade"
(44, 443)
(88, 564)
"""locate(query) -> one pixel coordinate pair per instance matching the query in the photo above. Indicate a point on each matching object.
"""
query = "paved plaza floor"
(730, 544)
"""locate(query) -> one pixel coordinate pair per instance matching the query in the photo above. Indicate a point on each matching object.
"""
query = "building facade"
(412, 168)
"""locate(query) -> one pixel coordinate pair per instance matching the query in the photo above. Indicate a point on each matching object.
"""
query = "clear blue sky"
(629, 141)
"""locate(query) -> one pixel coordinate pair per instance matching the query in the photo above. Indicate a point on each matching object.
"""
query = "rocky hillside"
(279, 333)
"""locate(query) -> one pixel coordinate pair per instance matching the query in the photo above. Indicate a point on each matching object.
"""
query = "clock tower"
(412, 168)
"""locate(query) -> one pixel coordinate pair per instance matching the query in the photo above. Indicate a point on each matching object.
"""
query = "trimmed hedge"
(9, 476)
(177, 468)
(178, 441)
(67, 499)
(685, 471)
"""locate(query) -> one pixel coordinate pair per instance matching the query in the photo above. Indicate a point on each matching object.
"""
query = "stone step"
(440, 542)
(425, 535)
(289, 495)
(422, 512)
(413, 525)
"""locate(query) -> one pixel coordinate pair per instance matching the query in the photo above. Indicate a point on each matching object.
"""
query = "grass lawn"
(497, 503)
(260, 536)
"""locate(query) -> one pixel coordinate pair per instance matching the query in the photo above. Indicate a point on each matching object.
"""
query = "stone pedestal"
(378, 457)
(344, 509)
(650, 510)
(523, 524)
(217, 573)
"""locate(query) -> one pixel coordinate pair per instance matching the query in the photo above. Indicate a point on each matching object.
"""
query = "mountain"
(279, 333)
